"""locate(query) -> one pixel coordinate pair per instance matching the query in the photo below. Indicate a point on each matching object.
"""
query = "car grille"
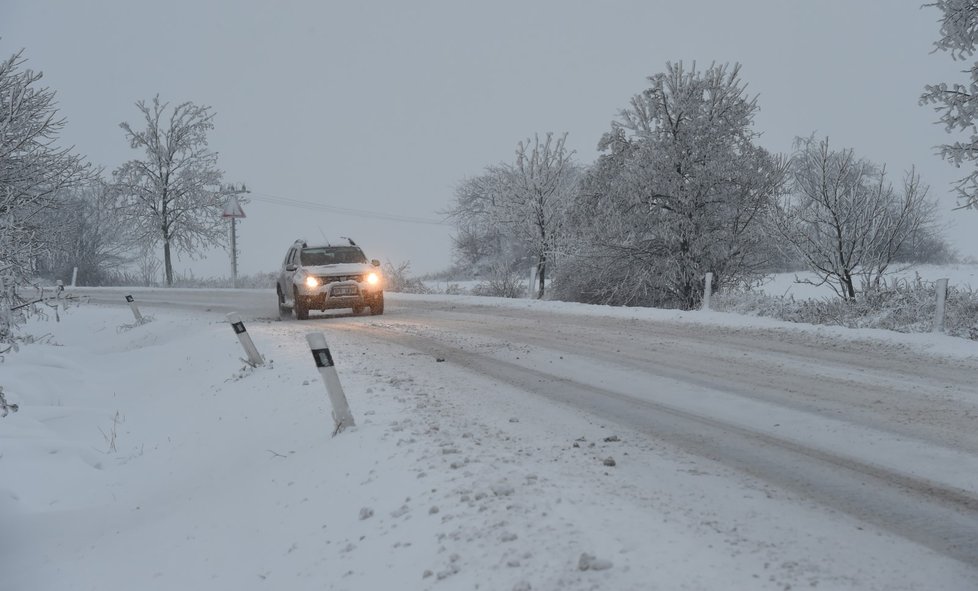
(336, 278)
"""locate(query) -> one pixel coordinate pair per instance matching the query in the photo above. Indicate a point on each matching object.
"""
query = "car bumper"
(338, 295)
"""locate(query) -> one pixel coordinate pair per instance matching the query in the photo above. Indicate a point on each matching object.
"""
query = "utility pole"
(233, 211)
(234, 251)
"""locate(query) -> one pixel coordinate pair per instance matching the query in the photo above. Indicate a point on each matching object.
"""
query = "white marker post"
(707, 291)
(941, 289)
(74, 277)
(324, 361)
(135, 310)
(254, 358)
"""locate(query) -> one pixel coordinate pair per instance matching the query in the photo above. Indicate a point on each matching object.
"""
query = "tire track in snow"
(942, 518)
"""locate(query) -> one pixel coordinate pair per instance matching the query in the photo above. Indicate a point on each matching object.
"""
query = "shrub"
(396, 279)
(502, 283)
(903, 306)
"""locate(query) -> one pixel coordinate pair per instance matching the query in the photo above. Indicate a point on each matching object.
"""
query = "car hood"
(339, 269)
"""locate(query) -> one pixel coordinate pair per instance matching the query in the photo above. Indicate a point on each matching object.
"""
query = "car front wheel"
(377, 305)
(300, 306)
(283, 310)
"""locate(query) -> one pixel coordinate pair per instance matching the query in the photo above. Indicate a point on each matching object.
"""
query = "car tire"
(284, 311)
(377, 305)
(300, 307)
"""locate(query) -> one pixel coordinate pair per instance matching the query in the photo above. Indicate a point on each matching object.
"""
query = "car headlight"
(373, 279)
(312, 281)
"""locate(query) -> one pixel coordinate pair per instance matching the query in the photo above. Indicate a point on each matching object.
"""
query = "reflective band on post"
(238, 327)
(322, 357)
(129, 299)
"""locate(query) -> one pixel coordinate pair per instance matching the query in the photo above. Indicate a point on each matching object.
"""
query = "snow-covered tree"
(956, 103)
(87, 232)
(537, 190)
(679, 191)
(33, 170)
(513, 212)
(845, 219)
(173, 195)
(479, 244)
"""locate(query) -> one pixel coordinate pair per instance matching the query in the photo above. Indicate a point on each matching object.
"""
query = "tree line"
(59, 212)
(682, 188)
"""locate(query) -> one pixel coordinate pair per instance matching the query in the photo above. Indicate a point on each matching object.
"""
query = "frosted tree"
(173, 196)
(956, 103)
(536, 191)
(845, 219)
(679, 191)
(89, 234)
(514, 212)
(480, 244)
(33, 170)
(612, 254)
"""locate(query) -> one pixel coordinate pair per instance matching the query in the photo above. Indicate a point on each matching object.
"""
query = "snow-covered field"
(150, 457)
(787, 284)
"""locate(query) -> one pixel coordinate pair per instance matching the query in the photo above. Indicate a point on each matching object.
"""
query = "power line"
(266, 197)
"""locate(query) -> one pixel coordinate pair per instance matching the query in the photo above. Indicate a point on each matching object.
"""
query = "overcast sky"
(384, 107)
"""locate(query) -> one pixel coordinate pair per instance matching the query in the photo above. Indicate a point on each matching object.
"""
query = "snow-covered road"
(877, 432)
(681, 450)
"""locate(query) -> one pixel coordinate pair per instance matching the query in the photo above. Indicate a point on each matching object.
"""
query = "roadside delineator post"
(940, 287)
(707, 291)
(135, 309)
(337, 399)
(254, 358)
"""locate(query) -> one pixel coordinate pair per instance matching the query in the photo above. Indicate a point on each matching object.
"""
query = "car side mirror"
(375, 262)
(291, 267)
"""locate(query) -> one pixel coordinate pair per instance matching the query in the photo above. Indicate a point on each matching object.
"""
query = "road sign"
(233, 209)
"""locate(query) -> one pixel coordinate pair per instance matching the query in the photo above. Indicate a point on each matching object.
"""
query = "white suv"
(328, 275)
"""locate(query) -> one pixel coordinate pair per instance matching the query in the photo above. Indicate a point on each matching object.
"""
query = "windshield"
(331, 255)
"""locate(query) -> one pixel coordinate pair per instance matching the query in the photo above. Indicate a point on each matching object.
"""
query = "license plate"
(344, 290)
